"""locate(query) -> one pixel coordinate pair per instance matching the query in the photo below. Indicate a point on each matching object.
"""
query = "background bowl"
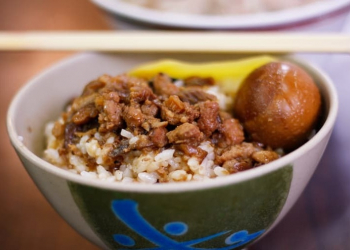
(224, 213)
(317, 16)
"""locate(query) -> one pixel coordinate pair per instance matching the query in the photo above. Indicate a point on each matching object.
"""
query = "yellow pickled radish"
(227, 74)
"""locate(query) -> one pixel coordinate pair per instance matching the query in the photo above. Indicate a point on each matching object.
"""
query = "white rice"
(224, 101)
(133, 140)
(126, 134)
(137, 167)
(220, 7)
(150, 178)
(165, 155)
(161, 165)
(179, 83)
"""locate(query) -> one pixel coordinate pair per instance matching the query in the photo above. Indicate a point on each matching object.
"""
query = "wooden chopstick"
(165, 41)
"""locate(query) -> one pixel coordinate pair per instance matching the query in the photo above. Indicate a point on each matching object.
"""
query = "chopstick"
(175, 41)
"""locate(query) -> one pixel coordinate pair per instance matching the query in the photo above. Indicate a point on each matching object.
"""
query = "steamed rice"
(89, 154)
(220, 7)
(137, 168)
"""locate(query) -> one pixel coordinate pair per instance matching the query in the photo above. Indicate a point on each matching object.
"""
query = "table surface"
(319, 220)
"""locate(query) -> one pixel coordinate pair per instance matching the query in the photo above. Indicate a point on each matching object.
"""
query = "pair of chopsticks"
(165, 41)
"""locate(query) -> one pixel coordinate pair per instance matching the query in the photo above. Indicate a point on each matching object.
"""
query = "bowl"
(320, 16)
(225, 213)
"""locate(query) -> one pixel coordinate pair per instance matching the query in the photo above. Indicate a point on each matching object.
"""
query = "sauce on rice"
(127, 129)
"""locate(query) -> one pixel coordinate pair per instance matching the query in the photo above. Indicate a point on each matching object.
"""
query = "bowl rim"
(245, 21)
(23, 151)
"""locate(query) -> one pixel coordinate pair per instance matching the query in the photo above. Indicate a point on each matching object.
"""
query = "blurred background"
(321, 217)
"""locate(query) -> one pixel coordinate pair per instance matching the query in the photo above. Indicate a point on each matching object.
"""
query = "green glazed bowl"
(224, 213)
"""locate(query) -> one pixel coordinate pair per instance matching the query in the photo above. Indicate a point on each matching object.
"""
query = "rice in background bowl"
(317, 16)
(247, 204)
(220, 7)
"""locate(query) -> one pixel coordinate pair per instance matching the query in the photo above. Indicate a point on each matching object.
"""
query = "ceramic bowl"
(318, 16)
(224, 213)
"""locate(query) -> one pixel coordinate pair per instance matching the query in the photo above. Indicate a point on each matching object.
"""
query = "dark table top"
(319, 220)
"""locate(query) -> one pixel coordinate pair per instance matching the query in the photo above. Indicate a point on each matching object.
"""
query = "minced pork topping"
(127, 129)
